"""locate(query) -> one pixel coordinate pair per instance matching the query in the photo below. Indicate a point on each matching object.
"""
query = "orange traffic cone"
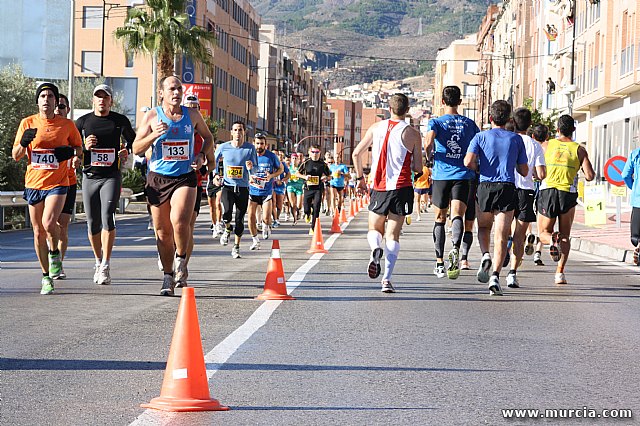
(343, 215)
(335, 226)
(360, 206)
(356, 207)
(352, 209)
(317, 243)
(275, 285)
(185, 386)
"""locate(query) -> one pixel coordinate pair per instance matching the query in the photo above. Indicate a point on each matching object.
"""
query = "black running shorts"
(524, 210)
(470, 213)
(260, 199)
(552, 202)
(160, 188)
(70, 201)
(397, 201)
(443, 191)
(497, 196)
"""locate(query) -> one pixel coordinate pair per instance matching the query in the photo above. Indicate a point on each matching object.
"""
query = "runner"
(266, 169)
(500, 154)
(469, 221)
(630, 176)
(214, 192)
(524, 213)
(280, 190)
(102, 131)
(171, 182)
(337, 185)
(62, 109)
(315, 172)
(48, 141)
(326, 197)
(238, 157)
(451, 133)
(396, 151)
(559, 192)
(422, 187)
(540, 134)
(351, 184)
(295, 188)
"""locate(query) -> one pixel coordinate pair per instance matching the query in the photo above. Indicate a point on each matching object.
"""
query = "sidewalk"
(603, 240)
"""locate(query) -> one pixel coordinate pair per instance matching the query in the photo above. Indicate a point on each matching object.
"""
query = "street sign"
(594, 205)
(619, 191)
(613, 170)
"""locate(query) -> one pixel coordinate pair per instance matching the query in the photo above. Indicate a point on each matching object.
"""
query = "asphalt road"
(437, 352)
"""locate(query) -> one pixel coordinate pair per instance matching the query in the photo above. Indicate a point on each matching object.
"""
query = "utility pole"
(72, 32)
(573, 57)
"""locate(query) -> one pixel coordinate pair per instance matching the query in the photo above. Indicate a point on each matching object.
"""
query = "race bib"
(103, 157)
(258, 182)
(294, 178)
(313, 180)
(175, 150)
(235, 172)
(336, 175)
(44, 159)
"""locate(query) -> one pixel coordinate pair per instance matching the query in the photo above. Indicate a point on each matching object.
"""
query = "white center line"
(220, 354)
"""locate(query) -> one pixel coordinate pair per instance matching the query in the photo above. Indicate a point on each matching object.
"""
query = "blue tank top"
(172, 153)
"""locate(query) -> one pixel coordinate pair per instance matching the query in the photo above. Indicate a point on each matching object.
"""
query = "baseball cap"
(48, 86)
(106, 89)
(191, 99)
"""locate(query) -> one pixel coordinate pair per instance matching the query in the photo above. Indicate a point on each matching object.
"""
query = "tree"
(538, 118)
(163, 28)
(18, 100)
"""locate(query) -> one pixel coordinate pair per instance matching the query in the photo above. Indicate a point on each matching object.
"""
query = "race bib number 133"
(175, 150)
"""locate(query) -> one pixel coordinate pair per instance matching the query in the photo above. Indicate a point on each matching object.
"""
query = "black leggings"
(238, 196)
(100, 197)
(312, 198)
(635, 226)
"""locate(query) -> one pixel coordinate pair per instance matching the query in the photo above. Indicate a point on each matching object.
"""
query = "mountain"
(360, 35)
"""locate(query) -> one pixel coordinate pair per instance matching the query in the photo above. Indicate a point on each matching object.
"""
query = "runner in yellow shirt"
(422, 188)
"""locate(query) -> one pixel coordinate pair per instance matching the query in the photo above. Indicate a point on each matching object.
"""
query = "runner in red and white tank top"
(391, 166)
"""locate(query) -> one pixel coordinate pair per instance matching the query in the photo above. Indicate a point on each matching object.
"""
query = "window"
(470, 67)
(470, 113)
(92, 17)
(469, 90)
(91, 62)
(128, 59)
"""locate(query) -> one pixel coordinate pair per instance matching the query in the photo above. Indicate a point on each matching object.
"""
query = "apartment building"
(457, 65)
(348, 127)
(233, 78)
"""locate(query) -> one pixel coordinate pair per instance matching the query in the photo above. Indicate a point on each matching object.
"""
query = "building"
(347, 127)
(233, 78)
(457, 65)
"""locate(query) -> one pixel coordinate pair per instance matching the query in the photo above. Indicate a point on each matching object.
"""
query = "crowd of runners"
(499, 181)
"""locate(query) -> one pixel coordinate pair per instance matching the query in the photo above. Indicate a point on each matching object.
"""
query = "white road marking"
(225, 349)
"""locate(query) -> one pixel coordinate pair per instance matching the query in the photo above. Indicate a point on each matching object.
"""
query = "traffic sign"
(613, 170)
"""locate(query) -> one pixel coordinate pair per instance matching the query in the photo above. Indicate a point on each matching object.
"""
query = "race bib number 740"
(175, 150)
(44, 159)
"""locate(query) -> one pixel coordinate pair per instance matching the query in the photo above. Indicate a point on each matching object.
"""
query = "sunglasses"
(315, 152)
(260, 135)
(62, 106)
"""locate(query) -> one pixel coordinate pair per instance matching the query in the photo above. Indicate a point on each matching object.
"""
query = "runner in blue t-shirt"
(497, 154)
(336, 184)
(261, 189)
(238, 158)
(446, 143)
(279, 190)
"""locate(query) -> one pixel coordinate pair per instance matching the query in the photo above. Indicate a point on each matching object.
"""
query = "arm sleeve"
(474, 148)
(627, 172)
(302, 169)
(74, 135)
(327, 171)
(254, 156)
(217, 154)
(128, 133)
(432, 125)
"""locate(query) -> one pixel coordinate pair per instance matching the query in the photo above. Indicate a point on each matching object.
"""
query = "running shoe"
(453, 272)
(494, 286)
(286, 217)
(512, 281)
(418, 218)
(235, 252)
(47, 286)
(104, 275)
(307, 218)
(150, 225)
(464, 265)
(96, 272)
(531, 240)
(55, 265)
(387, 287)
(182, 273)
(507, 256)
(62, 275)
(374, 264)
(537, 258)
(484, 269)
(439, 272)
(259, 226)
(255, 245)
(266, 232)
(276, 224)
(168, 284)
(407, 219)
(160, 267)
(554, 248)
(560, 279)
(636, 256)
(224, 239)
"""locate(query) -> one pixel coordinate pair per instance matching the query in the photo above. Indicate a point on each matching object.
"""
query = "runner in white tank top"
(396, 150)
(391, 166)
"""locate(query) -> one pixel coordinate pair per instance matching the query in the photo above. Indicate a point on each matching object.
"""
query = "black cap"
(48, 86)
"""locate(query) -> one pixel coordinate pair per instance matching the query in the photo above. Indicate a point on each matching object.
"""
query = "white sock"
(105, 262)
(255, 238)
(390, 256)
(98, 262)
(375, 239)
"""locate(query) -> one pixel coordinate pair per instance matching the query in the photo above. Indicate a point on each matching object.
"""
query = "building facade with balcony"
(347, 127)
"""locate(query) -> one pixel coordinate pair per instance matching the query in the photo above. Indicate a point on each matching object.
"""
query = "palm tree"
(162, 29)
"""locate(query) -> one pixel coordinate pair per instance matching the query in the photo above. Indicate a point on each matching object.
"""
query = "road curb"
(603, 250)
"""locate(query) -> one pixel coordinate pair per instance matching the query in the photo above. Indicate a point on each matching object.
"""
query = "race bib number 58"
(175, 150)
(103, 157)
(44, 159)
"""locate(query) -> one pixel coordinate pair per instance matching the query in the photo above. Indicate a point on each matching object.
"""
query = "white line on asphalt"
(143, 239)
(615, 263)
(225, 349)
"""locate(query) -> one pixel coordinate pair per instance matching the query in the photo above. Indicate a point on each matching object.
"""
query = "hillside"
(355, 34)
